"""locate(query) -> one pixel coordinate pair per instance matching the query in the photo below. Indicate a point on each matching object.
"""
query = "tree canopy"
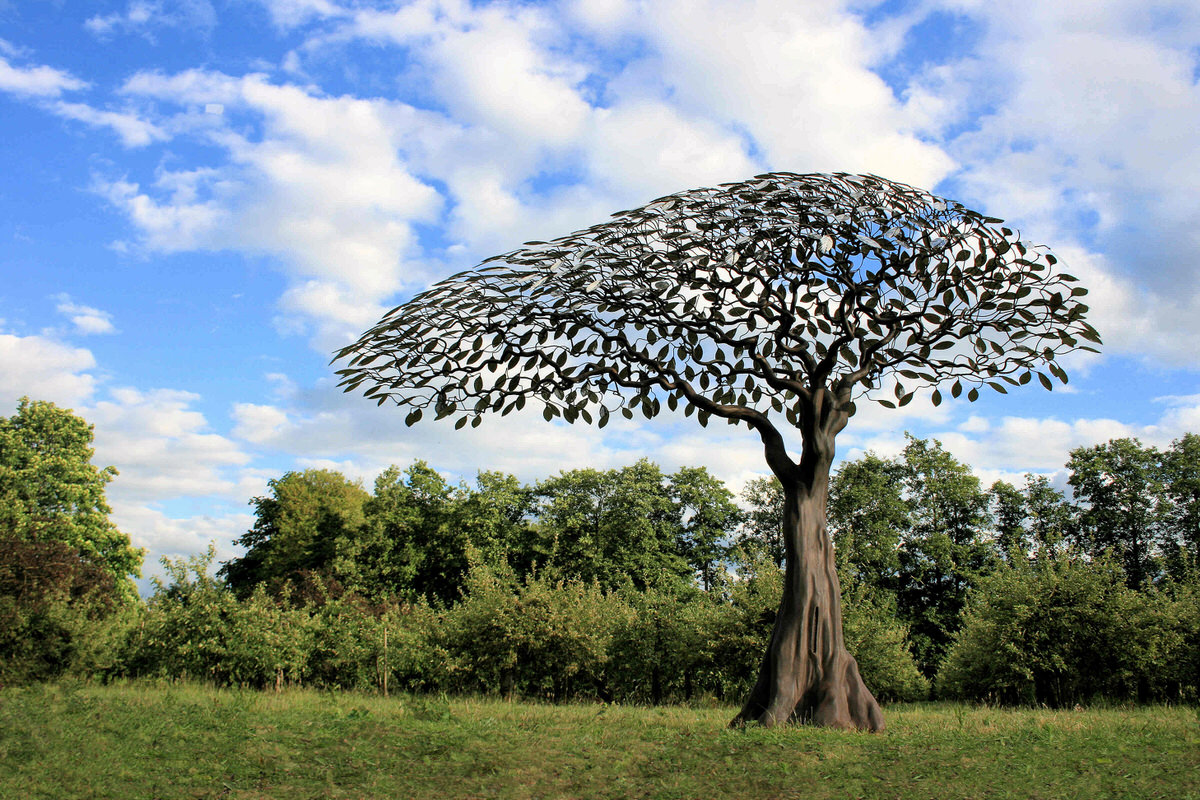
(742, 301)
(51, 492)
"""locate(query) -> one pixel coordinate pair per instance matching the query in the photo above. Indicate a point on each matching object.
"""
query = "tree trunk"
(807, 675)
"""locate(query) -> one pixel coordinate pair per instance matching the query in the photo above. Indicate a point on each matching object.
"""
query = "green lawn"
(142, 741)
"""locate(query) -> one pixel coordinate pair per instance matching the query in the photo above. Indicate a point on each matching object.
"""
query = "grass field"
(144, 741)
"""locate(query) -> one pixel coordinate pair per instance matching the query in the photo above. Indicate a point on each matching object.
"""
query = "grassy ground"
(143, 741)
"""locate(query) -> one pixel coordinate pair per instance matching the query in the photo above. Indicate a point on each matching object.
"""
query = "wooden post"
(385, 664)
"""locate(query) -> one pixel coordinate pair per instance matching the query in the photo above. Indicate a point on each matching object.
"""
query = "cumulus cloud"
(1088, 144)
(798, 79)
(87, 320)
(40, 81)
(292, 13)
(258, 423)
(163, 446)
(178, 221)
(323, 187)
(175, 538)
(132, 130)
(43, 368)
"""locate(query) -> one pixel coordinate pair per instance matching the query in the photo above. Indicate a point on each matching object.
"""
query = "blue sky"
(200, 200)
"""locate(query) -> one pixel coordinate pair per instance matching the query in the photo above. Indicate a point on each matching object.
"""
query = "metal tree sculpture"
(777, 300)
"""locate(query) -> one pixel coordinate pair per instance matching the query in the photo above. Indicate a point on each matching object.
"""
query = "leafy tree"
(944, 553)
(762, 529)
(1034, 520)
(1049, 515)
(51, 492)
(1181, 523)
(707, 516)
(612, 526)
(58, 612)
(309, 523)
(770, 303)
(410, 547)
(496, 517)
(1118, 487)
(1008, 510)
(868, 516)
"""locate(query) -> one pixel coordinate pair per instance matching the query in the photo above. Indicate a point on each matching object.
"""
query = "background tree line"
(627, 583)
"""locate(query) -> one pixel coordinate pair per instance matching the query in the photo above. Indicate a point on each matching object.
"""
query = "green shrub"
(59, 613)
(540, 637)
(183, 632)
(662, 650)
(1066, 630)
(194, 627)
(878, 640)
(347, 645)
(413, 655)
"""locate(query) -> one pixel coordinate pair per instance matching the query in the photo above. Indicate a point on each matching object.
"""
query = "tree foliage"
(945, 551)
(868, 518)
(739, 301)
(1181, 522)
(706, 514)
(762, 527)
(613, 526)
(58, 612)
(51, 492)
(1066, 629)
(1119, 487)
(308, 523)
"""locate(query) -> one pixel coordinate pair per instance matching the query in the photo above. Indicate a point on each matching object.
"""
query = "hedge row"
(534, 637)
(1057, 632)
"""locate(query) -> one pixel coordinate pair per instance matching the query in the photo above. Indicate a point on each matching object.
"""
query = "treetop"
(743, 301)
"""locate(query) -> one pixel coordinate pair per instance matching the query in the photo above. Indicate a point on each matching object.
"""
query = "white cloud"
(647, 149)
(37, 81)
(323, 188)
(178, 537)
(1089, 143)
(134, 131)
(44, 369)
(797, 78)
(87, 320)
(606, 17)
(494, 65)
(178, 221)
(162, 446)
(258, 423)
(1022, 444)
(293, 13)
(142, 16)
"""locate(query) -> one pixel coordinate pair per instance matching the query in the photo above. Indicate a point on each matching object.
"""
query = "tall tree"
(1181, 524)
(707, 516)
(613, 526)
(762, 528)
(51, 492)
(1008, 510)
(412, 548)
(945, 553)
(496, 516)
(771, 303)
(1118, 487)
(868, 517)
(306, 524)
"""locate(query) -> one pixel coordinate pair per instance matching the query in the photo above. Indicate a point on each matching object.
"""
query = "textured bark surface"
(807, 675)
